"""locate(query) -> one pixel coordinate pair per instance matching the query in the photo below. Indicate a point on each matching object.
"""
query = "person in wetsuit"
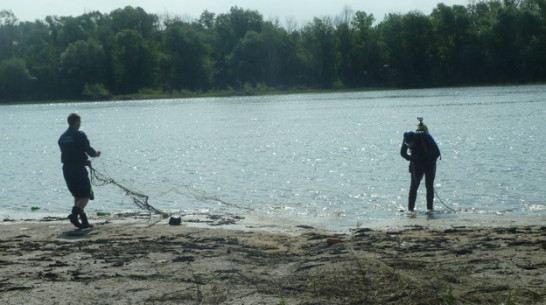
(75, 149)
(423, 155)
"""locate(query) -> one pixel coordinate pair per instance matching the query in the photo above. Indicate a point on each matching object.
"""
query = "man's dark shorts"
(77, 180)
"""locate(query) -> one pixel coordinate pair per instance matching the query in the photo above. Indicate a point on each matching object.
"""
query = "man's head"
(74, 120)
(410, 138)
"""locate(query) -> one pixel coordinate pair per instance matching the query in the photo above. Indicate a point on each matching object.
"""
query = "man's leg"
(416, 176)
(73, 217)
(81, 203)
(430, 174)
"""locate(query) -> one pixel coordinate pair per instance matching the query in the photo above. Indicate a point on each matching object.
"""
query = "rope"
(437, 196)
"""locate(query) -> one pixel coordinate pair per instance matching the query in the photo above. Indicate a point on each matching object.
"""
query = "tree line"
(129, 51)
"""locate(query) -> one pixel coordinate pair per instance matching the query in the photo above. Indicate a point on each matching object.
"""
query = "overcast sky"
(301, 11)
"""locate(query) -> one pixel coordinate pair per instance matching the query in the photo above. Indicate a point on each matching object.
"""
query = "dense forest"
(130, 52)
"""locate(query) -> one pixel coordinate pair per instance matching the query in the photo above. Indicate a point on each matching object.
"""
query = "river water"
(327, 160)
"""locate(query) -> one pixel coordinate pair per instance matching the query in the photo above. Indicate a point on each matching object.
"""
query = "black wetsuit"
(424, 153)
(75, 148)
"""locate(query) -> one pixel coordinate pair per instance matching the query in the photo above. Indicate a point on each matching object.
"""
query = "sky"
(300, 11)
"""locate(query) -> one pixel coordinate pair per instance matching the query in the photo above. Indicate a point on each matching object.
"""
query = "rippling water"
(331, 160)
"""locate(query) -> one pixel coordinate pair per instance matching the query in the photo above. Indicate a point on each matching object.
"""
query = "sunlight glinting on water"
(331, 159)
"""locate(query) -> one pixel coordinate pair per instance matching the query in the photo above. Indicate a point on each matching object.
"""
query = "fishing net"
(141, 200)
(200, 195)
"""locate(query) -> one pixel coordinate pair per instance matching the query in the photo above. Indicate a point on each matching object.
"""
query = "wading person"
(423, 155)
(75, 149)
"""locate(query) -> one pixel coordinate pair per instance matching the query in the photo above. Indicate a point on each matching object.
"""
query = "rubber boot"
(85, 223)
(74, 217)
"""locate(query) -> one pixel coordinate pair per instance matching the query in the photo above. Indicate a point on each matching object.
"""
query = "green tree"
(536, 52)
(530, 44)
(489, 41)
(130, 18)
(206, 20)
(9, 38)
(368, 62)
(132, 61)
(389, 41)
(42, 58)
(344, 42)
(246, 61)
(408, 42)
(187, 63)
(358, 58)
(83, 62)
(318, 49)
(14, 80)
(280, 62)
(70, 30)
(229, 30)
(458, 58)
(502, 44)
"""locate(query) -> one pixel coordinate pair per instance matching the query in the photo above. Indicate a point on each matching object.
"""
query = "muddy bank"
(140, 262)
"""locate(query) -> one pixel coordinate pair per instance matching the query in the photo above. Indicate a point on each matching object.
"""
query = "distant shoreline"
(243, 93)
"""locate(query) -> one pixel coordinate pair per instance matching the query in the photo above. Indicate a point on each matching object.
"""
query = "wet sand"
(135, 261)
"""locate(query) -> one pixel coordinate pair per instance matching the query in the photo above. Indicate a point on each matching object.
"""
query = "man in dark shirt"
(75, 149)
(423, 156)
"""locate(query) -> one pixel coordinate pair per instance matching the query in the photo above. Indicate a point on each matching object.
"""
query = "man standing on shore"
(423, 156)
(75, 149)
